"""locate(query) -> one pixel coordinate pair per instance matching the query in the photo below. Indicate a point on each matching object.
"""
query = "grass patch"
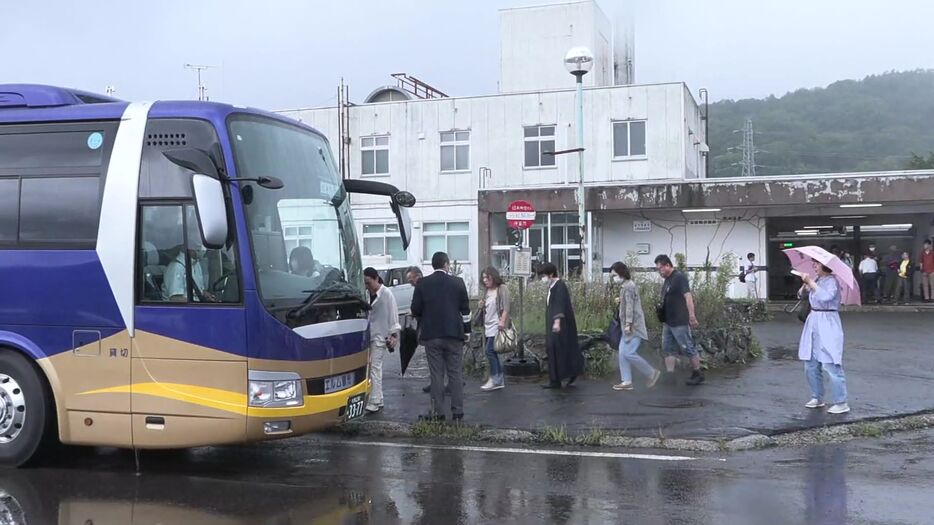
(593, 438)
(755, 349)
(598, 362)
(554, 435)
(866, 430)
(442, 430)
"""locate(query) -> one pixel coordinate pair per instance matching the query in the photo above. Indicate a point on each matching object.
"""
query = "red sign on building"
(520, 215)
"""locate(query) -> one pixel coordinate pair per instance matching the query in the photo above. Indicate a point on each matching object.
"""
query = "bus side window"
(161, 246)
(171, 273)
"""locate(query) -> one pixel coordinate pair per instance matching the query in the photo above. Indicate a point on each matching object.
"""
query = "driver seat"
(153, 272)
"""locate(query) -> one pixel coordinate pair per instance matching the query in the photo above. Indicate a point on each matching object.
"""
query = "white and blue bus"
(173, 274)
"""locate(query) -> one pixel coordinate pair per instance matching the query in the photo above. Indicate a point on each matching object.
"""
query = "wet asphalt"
(329, 480)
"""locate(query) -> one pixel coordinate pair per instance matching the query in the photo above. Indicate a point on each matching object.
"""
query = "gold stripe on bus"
(233, 402)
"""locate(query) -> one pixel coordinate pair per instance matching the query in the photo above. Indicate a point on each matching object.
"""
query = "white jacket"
(384, 316)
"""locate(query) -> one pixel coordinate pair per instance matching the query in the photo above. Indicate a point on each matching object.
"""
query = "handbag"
(505, 341)
(614, 332)
(805, 309)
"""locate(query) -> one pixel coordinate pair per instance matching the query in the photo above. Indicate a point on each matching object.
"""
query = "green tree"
(918, 162)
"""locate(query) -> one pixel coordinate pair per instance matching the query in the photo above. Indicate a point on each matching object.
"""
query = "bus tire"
(26, 419)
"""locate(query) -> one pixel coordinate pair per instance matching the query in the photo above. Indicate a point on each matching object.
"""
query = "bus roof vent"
(40, 96)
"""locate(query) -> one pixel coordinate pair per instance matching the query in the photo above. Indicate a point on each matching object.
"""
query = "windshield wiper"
(315, 296)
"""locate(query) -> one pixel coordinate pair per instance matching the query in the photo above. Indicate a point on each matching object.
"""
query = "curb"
(840, 432)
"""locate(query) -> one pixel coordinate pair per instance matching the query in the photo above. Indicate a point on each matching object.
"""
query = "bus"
(174, 274)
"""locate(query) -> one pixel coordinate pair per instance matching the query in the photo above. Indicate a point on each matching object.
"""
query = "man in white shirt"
(869, 270)
(174, 287)
(384, 333)
(752, 290)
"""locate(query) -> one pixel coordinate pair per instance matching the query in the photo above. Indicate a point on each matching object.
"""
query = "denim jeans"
(496, 369)
(871, 287)
(813, 368)
(678, 340)
(628, 355)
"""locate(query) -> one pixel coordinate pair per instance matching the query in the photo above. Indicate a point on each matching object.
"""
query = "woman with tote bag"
(632, 319)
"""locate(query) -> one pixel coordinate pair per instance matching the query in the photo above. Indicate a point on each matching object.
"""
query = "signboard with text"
(641, 226)
(521, 262)
(520, 215)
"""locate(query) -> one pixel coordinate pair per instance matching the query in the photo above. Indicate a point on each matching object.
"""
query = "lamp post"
(578, 62)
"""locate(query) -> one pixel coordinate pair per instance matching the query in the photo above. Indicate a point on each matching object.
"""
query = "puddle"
(779, 353)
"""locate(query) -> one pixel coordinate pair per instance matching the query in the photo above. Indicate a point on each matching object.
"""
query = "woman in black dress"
(565, 360)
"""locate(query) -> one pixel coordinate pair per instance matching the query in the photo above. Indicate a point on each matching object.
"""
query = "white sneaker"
(654, 379)
(497, 386)
(488, 385)
(623, 386)
(370, 407)
(840, 408)
(814, 403)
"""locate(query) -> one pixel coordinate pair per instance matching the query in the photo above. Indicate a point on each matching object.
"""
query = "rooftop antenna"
(202, 90)
(111, 91)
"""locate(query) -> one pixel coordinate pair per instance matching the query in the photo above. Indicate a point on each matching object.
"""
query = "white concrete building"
(445, 150)
(535, 39)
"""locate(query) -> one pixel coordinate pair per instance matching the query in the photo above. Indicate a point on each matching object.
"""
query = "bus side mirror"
(404, 222)
(212, 211)
(399, 201)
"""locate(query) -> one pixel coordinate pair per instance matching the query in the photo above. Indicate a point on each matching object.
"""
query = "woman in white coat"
(384, 333)
(821, 345)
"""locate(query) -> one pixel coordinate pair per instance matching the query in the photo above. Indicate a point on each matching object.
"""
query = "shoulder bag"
(506, 340)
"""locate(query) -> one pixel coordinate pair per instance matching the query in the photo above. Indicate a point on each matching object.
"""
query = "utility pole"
(202, 89)
(578, 62)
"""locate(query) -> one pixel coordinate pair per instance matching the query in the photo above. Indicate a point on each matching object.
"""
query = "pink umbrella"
(802, 259)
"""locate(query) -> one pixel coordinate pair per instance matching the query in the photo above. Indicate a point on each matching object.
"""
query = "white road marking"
(541, 452)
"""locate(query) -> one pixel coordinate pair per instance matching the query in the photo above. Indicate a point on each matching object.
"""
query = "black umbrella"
(408, 342)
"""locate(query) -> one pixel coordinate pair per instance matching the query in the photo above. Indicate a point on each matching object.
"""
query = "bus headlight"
(274, 389)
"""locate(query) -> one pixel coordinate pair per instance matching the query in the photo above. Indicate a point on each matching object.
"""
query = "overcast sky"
(290, 53)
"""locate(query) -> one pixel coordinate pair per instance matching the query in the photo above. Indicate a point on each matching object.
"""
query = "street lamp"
(578, 62)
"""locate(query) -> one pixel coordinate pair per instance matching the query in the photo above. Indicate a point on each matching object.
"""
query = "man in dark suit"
(441, 305)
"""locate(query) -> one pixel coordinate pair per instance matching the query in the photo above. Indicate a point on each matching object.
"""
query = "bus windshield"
(302, 235)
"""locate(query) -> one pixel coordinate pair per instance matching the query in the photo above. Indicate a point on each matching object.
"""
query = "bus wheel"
(24, 410)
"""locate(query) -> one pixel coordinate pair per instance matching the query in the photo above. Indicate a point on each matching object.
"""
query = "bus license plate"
(355, 406)
(338, 383)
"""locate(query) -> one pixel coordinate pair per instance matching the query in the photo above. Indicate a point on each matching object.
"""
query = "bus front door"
(189, 364)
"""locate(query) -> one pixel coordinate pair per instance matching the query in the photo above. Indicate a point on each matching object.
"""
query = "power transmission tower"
(748, 164)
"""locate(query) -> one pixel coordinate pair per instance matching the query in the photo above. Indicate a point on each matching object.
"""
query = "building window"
(375, 151)
(450, 237)
(382, 240)
(538, 140)
(455, 151)
(629, 139)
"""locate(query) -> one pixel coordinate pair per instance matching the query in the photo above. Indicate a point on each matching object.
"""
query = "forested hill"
(852, 125)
